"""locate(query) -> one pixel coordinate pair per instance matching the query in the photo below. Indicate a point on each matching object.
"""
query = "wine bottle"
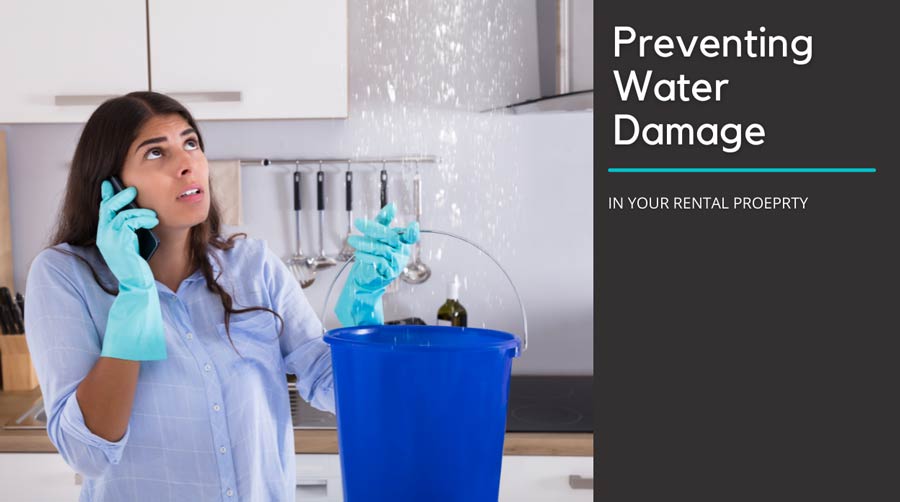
(452, 313)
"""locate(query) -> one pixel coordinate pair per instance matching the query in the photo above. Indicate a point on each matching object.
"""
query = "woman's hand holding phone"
(117, 237)
(134, 328)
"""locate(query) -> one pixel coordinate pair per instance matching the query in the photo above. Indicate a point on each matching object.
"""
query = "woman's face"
(163, 163)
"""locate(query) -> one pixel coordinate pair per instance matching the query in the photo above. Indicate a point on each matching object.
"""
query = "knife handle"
(18, 323)
(4, 324)
(20, 301)
(5, 296)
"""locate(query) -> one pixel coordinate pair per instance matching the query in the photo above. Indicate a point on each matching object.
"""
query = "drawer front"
(319, 478)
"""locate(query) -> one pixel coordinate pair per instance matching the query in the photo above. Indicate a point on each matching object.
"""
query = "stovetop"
(550, 404)
(536, 404)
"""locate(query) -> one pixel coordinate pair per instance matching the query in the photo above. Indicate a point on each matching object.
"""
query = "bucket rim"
(354, 336)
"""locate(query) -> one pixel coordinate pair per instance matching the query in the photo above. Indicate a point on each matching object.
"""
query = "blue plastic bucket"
(421, 411)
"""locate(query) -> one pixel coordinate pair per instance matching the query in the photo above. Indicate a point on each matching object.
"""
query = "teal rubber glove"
(134, 327)
(382, 252)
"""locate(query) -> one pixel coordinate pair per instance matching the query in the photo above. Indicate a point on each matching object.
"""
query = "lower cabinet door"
(522, 479)
(319, 478)
(27, 477)
(547, 479)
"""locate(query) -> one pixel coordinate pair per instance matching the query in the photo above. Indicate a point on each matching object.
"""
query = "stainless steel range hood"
(565, 45)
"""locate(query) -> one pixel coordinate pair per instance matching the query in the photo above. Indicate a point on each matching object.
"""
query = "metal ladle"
(416, 272)
(301, 267)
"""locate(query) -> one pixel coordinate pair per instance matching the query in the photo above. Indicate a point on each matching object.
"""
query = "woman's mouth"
(192, 194)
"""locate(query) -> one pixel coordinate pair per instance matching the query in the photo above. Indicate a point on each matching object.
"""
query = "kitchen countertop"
(13, 404)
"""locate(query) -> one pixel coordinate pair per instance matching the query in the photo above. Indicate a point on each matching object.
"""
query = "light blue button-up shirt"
(208, 423)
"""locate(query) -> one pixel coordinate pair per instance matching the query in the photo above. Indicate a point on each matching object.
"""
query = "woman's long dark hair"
(101, 152)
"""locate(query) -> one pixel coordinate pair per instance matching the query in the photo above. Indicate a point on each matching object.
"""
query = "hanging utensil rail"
(341, 163)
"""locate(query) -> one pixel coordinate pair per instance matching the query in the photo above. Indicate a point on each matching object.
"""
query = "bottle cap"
(453, 288)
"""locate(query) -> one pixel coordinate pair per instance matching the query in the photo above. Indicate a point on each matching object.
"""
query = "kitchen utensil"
(299, 265)
(13, 316)
(416, 272)
(5, 324)
(321, 261)
(19, 318)
(18, 321)
(20, 301)
(384, 181)
(346, 249)
(394, 286)
(11, 323)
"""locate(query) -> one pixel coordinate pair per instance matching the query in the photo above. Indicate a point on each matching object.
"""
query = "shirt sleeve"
(64, 345)
(305, 353)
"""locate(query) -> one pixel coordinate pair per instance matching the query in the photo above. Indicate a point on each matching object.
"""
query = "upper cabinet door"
(62, 59)
(267, 59)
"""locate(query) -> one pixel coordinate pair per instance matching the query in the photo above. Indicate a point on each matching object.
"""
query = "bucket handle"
(467, 241)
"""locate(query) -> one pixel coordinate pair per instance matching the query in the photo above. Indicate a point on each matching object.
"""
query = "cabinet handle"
(187, 97)
(206, 97)
(81, 99)
(312, 482)
(312, 487)
(577, 482)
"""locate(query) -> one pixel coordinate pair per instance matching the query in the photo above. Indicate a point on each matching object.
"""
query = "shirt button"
(222, 449)
(207, 367)
(189, 336)
(229, 492)
(217, 407)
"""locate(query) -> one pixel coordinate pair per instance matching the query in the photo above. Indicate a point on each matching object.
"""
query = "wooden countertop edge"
(325, 441)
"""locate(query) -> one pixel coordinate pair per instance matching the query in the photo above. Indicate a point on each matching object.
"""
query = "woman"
(165, 379)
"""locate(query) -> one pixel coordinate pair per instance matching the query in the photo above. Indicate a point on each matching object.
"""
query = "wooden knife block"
(15, 362)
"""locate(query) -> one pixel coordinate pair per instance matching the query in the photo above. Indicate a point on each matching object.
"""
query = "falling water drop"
(392, 95)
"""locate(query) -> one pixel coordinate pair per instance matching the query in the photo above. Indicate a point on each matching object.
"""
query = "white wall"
(520, 186)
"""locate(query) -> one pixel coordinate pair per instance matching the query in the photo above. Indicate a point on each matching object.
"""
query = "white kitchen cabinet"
(544, 479)
(319, 478)
(522, 478)
(62, 59)
(267, 59)
(37, 477)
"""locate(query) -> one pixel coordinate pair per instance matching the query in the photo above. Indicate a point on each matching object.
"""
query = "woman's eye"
(151, 152)
(194, 142)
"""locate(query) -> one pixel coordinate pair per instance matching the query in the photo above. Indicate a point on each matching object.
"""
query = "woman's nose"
(185, 164)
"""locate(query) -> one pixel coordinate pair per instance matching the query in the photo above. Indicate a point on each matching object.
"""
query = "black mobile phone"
(147, 240)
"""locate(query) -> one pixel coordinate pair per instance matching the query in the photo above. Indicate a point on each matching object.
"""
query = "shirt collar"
(216, 269)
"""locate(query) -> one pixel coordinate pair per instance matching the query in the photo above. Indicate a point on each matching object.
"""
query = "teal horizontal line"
(741, 169)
